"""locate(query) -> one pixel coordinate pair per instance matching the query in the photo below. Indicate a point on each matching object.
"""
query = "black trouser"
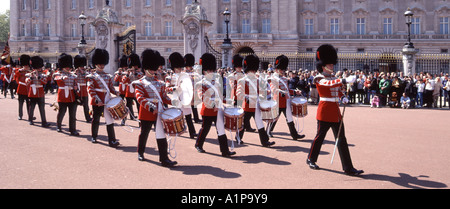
(190, 125)
(21, 99)
(195, 113)
(280, 110)
(247, 117)
(428, 98)
(40, 101)
(206, 126)
(97, 112)
(5, 88)
(344, 153)
(130, 106)
(72, 106)
(85, 102)
(143, 136)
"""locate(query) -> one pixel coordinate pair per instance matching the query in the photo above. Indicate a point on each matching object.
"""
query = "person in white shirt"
(419, 97)
(437, 90)
(429, 88)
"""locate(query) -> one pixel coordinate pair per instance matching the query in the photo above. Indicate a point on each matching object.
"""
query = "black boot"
(223, 143)
(163, 154)
(293, 131)
(112, 136)
(264, 138)
(190, 124)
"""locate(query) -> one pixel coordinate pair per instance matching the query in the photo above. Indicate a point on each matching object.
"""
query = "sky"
(4, 5)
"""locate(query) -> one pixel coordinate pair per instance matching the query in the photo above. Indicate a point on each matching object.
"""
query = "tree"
(4, 26)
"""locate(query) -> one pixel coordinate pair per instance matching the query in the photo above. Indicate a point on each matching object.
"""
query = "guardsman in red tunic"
(118, 75)
(328, 112)
(150, 93)
(133, 73)
(7, 76)
(189, 62)
(282, 94)
(66, 93)
(210, 90)
(100, 85)
(80, 63)
(22, 89)
(36, 81)
(248, 91)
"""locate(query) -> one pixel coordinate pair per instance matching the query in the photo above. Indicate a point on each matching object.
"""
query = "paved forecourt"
(396, 148)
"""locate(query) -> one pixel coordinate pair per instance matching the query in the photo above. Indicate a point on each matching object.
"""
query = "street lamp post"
(226, 45)
(408, 51)
(83, 43)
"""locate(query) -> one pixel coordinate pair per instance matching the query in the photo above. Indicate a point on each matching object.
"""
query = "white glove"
(344, 100)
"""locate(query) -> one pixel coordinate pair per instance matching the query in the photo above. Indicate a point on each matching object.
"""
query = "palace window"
(444, 25)
(148, 29)
(245, 26)
(334, 26)
(360, 26)
(309, 26)
(266, 25)
(168, 28)
(387, 26)
(415, 26)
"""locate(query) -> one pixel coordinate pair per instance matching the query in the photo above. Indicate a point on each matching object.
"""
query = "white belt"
(34, 86)
(100, 90)
(22, 83)
(123, 86)
(66, 90)
(328, 99)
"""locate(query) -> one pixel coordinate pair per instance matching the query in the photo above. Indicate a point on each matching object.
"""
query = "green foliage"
(4, 26)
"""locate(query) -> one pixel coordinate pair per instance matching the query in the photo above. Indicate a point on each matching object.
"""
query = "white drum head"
(171, 113)
(267, 104)
(233, 111)
(113, 102)
(299, 100)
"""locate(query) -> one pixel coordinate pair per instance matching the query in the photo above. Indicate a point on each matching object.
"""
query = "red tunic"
(280, 85)
(147, 98)
(81, 82)
(36, 85)
(245, 89)
(66, 86)
(20, 77)
(329, 90)
(118, 78)
(96, 88)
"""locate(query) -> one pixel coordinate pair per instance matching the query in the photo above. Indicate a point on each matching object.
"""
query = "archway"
(245, 50)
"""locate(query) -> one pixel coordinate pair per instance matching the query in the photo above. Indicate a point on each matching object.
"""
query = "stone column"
(254, 17)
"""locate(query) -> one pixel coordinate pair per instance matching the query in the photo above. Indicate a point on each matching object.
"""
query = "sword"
(339, 132)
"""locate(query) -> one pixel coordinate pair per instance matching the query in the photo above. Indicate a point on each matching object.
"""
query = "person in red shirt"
(66, 93)
(133, 73)
(80, 62)
(22, 89)
(120, 73)
(282, 94)
(100, 85)
(7, 77)
(151, 94)
(36, 81)
(248, 94)
(328, 112)
(209, 89)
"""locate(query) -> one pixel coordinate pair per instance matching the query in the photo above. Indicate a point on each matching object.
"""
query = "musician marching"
(22, 90)
(209, 89)
(118, 75)
(133, 73)
(248, 91)
(151, 94)
(7, 77)
(328, 112)
(177, 64)
(66, 93)
(282, 94)
(80, 62)
(100, 86)
(36, 81)
(189, 62)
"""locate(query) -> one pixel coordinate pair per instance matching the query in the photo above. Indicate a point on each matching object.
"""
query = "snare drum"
(173, 121)
(269, 110)
(299, 107)
(234, 119)
(117, 108)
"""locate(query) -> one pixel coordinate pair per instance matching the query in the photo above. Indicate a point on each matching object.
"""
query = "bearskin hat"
(208, 62)
(150, 59)
(176, 60)
(79, 61)
(326, 54)
(123, 62)
(281, 62)
(189, 60)
(65, 61)
(100, 57)
(37, 62)
(237, 60)
(251, 63)
(24, 60)
(133, 60)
